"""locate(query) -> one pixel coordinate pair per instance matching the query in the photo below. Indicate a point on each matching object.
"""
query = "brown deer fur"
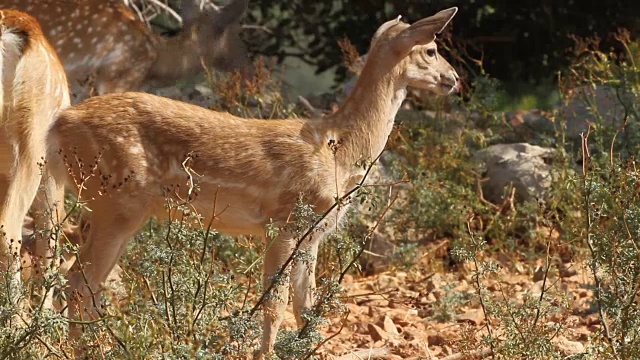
(103, 44)
(252, 171)
(33, 89)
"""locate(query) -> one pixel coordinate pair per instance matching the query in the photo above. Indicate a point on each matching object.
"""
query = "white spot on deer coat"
(135, 150)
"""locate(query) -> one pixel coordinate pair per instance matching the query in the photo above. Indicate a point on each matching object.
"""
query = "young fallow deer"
(254, 170)
(33, 89)
(104, 45)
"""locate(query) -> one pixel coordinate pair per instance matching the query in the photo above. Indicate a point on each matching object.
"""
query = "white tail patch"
(10, 51)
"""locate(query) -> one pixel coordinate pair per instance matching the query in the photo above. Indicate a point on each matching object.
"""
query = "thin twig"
(168, 9)
(477, 353)
(544, 279)
(50, 348)
(342, 323)
(485, 312)
(258, 27)
(364, 354)
(367, 238)
(586, 158)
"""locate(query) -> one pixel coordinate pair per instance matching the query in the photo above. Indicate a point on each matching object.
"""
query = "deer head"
(400, 55)
(210, 37)
(414, 51)
(223, 27)
(414, 46)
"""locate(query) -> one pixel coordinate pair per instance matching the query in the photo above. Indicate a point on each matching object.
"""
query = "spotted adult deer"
(104, 45)
(253, 171)
(33, 89)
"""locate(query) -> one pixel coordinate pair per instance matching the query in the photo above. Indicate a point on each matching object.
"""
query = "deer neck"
(365, 120)
(178, 56)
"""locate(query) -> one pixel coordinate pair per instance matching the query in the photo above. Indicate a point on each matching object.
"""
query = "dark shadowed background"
(518, 40)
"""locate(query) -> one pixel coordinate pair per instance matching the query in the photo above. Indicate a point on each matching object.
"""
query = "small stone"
(585, 293)
(392, 304)
(539, 274)
(462, 286)
(347, 279)
(435, 339)
(536, 289)
(474, 316)
(567, 270)
(505, 260)
(203, 90)
(583, 333)
(493, 286)
(387, 282)
(435, 351)
(389, 326)
(377, 333)
(568, 347)
(434, 282)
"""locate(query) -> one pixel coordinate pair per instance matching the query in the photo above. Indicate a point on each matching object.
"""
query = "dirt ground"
(415, 315)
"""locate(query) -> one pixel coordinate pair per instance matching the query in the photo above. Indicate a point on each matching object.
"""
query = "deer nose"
(450, 78)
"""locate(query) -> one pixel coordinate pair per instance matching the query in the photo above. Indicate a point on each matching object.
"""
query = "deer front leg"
(276, 299)
(303, 279)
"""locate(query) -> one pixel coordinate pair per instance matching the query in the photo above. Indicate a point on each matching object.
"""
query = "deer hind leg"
(112, 225)
(20, 155)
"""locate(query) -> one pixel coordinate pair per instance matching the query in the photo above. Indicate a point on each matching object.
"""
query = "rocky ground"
(418, 314)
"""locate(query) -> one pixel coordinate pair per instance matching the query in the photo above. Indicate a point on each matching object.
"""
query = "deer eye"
(431, 52)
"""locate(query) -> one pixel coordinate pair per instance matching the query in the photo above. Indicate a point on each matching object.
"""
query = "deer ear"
(423, 31)
(231, 13)
(190, 11)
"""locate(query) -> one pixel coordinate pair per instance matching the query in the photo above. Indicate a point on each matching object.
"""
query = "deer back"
(105, 48)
